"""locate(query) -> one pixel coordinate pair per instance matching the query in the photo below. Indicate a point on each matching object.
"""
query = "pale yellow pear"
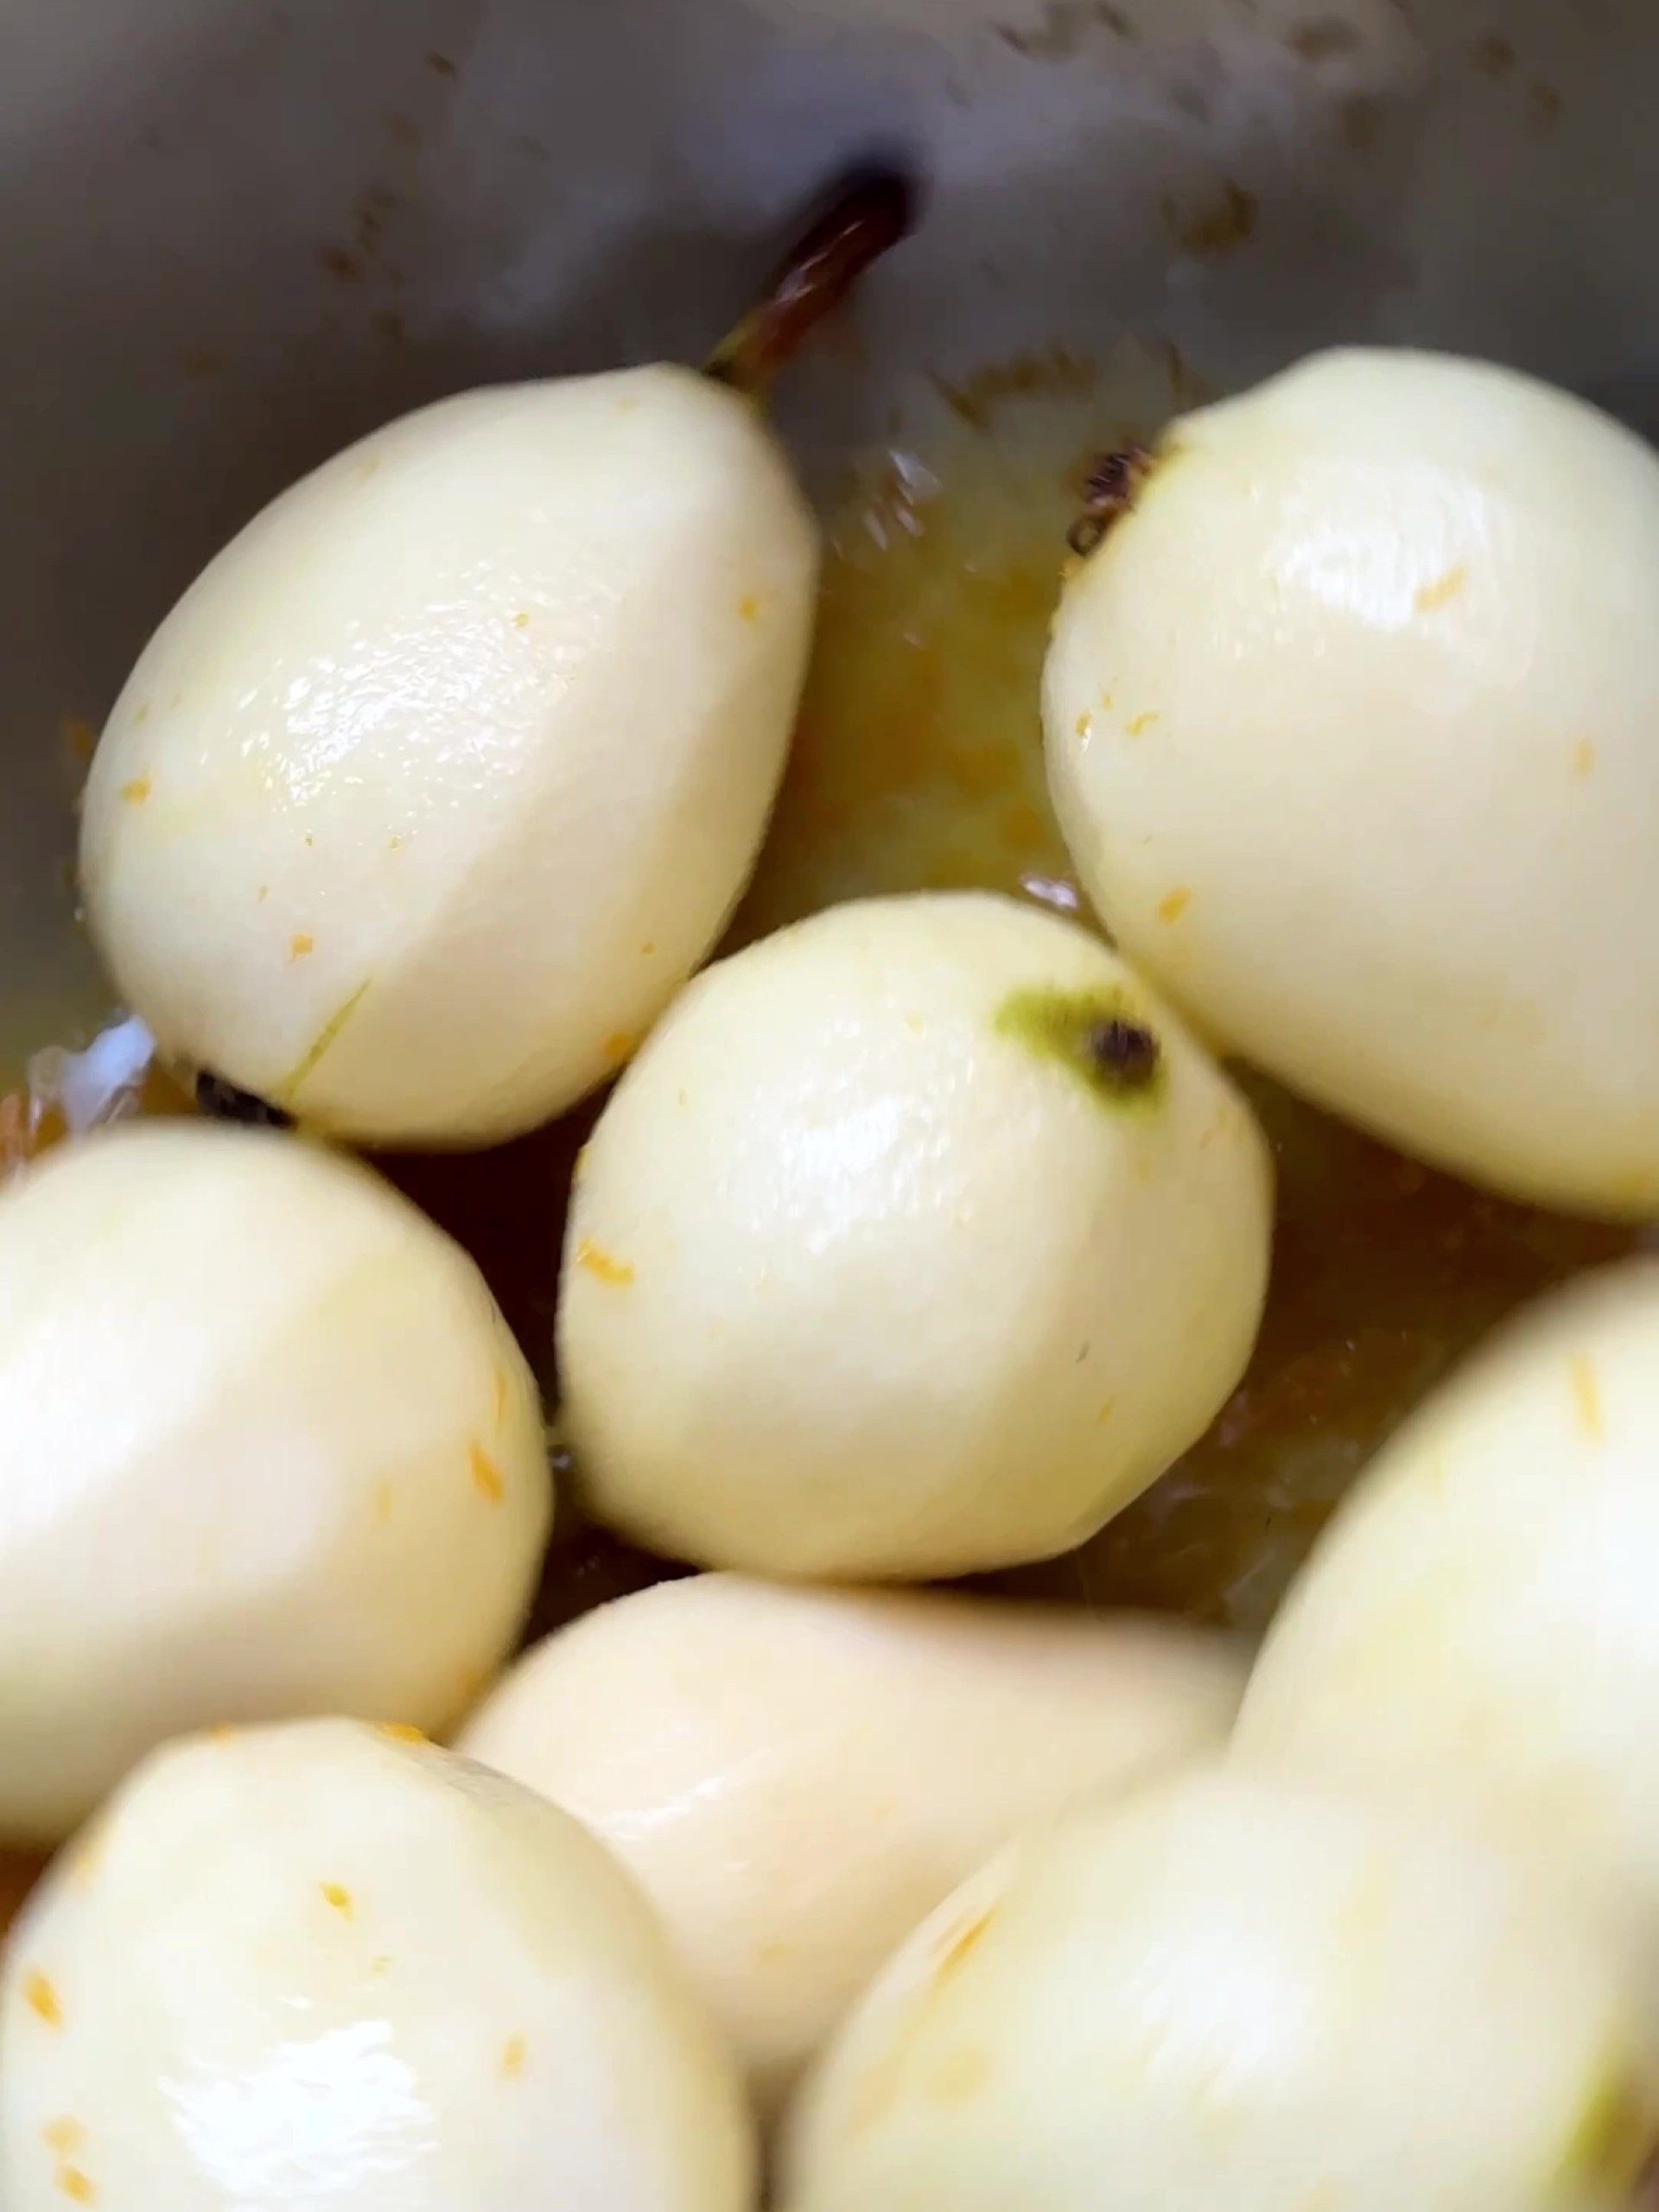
(1477, 1626)
(921, 1238)
(797, 1777)
(1353, 729)
(268, 1447)
(435, 786)
(316, 1965)
(1221, 1997)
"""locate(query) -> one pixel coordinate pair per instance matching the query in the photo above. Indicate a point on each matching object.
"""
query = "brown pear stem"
(1127, 1052)
(1114, 484)
(222, 1102)
(867, 214)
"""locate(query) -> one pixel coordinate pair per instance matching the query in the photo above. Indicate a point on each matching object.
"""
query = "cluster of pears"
(916, 1240)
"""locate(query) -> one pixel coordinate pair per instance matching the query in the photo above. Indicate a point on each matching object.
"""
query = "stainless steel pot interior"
(236, 235)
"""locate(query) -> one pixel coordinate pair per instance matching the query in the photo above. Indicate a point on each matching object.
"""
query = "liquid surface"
(918, 765)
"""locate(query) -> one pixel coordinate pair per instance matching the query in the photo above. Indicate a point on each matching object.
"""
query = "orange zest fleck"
(512, 2058)
(338, 1897)
(1174, 904)
(1083, 725)
(75, 2185)
(384, 1498)
(603, 1265)
(1136, 723)
(1441, 591)
(957, 2078)
(42, 1999)
(137, 791)
(63, 2136)
(1583, 757)
(749, 606)
(299, 945)
(487, 1476)
(402, 1732)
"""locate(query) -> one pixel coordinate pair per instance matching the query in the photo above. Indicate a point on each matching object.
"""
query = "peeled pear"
(1478, 1625)
(435, 787)
(316, 1966)
(268, 1447)
(919, 1239)
(797, 1777)
(1350, 724)
(1220, 1997)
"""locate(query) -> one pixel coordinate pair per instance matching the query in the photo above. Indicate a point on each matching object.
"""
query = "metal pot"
(237, 236)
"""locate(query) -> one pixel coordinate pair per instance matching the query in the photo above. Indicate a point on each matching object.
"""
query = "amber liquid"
(919, 764)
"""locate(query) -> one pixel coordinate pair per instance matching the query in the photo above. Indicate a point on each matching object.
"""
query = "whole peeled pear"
(268, 1448)
(327, 1965)
(1353, 728)
(796, 1777)
(1219, 1996)
(1476, 1625)
(920, 1239)
(435, 787)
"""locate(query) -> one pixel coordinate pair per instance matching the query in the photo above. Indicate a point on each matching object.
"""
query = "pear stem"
(1114, 485)
(220, 1101)
(866, 216)
(1127, 1052)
